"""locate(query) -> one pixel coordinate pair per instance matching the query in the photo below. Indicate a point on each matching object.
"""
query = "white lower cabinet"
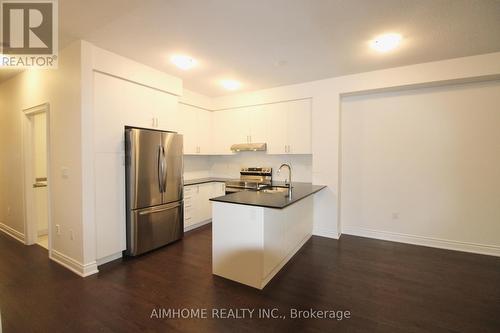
(197, 205)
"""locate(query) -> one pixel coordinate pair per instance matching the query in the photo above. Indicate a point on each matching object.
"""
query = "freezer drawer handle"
(158, 210)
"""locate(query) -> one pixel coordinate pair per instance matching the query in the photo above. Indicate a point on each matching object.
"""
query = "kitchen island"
(255, 233)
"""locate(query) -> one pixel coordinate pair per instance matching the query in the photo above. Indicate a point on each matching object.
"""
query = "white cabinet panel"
(188, 116)
(197, 204)
(190, 197)
(257, 124)
(205, 208)
(170, 120)
(218, 189)
(119, 103)
(110, 203)
(285, 127)
(204, 131)
(289, 127)
(219, 140)
(196, 126)
(299, 127)
(276, 128)
(229, 128)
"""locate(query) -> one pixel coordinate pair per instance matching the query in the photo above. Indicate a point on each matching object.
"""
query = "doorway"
(36, 180)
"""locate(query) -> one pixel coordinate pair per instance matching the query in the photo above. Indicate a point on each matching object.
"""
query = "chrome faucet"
(288, 181)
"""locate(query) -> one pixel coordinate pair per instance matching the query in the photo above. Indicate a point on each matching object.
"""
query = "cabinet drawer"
(190, 189)
(188, 221)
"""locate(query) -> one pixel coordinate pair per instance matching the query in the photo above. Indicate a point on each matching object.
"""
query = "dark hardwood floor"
(387, 287)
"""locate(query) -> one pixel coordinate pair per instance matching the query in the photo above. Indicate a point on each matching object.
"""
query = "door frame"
(30, 225)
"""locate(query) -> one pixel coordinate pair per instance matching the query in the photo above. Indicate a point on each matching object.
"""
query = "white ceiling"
(268, 43)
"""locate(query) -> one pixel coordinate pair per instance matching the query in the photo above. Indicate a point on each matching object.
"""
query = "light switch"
(65, 172)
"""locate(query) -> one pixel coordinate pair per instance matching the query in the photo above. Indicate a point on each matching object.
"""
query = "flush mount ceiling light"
(386, 42)
(231, 84)
(184, 62)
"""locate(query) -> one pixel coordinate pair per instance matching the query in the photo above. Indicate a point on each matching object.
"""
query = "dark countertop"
(271, 200)
(207, 180)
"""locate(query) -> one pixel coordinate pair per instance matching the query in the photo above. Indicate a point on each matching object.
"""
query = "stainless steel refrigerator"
(154, 185)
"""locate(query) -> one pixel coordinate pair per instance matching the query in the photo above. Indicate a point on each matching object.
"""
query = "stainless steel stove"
(251, 179)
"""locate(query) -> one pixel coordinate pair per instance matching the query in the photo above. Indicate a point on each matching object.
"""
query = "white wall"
(197, 167)
(61, 89)
(424, 163)
(229, 166)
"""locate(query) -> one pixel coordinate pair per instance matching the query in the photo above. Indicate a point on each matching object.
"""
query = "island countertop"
(271, 200)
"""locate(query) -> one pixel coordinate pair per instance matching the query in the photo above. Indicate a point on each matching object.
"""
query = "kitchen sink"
(275, 189)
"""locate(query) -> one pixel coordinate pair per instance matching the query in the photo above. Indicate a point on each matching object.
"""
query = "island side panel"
(238, 242)
(285, 232)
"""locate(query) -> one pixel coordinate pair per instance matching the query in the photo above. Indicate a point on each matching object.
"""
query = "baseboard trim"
(197, 225)
(43, 232)
(326, 233)
(491, 250)
(109, 258)
(19, 236)
(73, 265)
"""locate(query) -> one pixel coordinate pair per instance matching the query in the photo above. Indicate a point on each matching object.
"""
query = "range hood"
(249, 147)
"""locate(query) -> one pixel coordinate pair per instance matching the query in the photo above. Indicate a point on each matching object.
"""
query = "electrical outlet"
(395, 216)
(58, 230)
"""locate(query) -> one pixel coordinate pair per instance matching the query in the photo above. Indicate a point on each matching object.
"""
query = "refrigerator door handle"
(160, 168)
(164, 170)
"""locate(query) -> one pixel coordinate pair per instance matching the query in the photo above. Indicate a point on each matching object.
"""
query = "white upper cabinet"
(289, 127)
(229, 128)
(256, 124)
(188, 117)
(196, 127)
(169, 120)
(299, 127)
(276, 127)
(285, 127)
(204, 130)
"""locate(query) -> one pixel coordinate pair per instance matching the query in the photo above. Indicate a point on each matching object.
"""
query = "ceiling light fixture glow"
(183, 62)
(231, 84)
(387, 42)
